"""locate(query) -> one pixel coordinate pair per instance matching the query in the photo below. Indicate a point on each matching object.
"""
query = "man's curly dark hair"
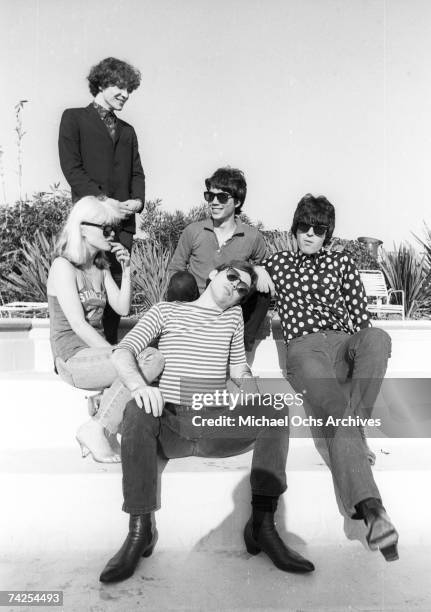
(112, 71)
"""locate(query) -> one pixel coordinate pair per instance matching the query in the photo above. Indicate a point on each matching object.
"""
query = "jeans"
(173, 434)
(254, 311)
(93, 369)
(319, 364)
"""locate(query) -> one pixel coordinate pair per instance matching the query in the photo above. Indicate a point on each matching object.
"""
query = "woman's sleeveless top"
(64, 342)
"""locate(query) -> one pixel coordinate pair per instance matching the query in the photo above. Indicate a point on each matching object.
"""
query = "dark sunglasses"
(319, 230)
(241, 287)
(106, 229)
(222, 197)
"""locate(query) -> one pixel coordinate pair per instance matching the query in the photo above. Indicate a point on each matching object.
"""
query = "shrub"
(150, 278)
(277, 240)
(30, 275)
(403, 269)
(44, 212)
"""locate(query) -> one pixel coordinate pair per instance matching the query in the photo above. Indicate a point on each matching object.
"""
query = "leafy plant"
(426, 244)
(45, 211)
(403, 269)
(150, 261)
(277, 240)
(29, 277)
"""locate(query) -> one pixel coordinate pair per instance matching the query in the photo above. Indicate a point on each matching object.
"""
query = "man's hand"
(131, 206)
(264, 283)
(150, 399)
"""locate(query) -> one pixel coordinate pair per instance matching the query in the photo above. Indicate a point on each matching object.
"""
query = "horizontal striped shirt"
(198, 345)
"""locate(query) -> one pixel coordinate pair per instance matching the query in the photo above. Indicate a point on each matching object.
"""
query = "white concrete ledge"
(24, 346)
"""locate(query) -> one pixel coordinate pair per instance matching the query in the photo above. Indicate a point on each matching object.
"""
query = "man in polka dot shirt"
(329, 338)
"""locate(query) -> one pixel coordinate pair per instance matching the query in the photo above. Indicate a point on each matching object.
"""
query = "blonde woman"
(79, 285)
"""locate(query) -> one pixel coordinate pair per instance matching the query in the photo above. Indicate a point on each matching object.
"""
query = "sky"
(329, 97)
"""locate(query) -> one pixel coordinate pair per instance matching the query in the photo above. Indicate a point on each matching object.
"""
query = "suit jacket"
(93, 164)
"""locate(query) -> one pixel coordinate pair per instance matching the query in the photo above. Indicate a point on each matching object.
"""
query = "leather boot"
(381, 534)
(139, 543)
(262, 535)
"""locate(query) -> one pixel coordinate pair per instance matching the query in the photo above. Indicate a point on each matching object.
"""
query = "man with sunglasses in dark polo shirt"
(205, 245)
(329, 338)
(99, 156)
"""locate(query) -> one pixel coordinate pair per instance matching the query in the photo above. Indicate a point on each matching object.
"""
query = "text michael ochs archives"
(277, 401)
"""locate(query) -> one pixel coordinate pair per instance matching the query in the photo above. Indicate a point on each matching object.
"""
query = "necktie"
(110, 121)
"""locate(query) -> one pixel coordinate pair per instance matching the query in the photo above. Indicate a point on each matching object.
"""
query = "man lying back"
(200, 341)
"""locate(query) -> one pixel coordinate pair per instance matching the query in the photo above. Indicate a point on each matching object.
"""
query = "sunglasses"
(106, 229)
(222, 197)
(241, 287)
(319, 230)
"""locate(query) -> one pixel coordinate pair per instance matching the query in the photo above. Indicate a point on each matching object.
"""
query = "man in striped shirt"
(200, 341)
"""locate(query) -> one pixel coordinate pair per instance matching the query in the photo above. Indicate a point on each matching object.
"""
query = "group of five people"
(222, 278)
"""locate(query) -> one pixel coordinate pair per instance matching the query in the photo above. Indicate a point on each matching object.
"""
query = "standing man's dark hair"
(99, 155)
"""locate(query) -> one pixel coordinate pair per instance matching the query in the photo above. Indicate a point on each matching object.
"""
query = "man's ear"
(212, 274)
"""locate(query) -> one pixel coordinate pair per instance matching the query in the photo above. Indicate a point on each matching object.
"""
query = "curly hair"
(317, 211)
(112, 71)
(231, 180)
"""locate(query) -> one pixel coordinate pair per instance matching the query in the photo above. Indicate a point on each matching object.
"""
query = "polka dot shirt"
(317, 293)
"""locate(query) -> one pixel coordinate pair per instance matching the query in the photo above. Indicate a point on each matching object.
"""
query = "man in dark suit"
(99, 155)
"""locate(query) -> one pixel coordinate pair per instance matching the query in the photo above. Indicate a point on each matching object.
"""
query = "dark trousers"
(173, 435)
(111, 320)
(254, 311)
(319, 364)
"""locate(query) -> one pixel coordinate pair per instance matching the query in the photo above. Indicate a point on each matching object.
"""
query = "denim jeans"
(254, 311)
(173, 435)
(319, 364)
(93, 369)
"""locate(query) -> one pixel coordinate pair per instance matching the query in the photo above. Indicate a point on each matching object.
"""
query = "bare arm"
(62, 284)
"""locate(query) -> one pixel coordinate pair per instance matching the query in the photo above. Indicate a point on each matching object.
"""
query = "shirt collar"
(103, 112)
(241, 227)
(305, 257)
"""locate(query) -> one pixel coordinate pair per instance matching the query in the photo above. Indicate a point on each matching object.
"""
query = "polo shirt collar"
(241, 227)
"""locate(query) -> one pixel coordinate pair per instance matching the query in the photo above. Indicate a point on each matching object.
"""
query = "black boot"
(139, 543)
(381, 534)
(260, 534)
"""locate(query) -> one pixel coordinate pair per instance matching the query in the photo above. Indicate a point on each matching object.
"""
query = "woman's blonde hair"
(71, 244)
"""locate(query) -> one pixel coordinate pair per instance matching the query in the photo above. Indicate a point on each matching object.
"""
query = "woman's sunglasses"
(222, 197)
(241, 287)
(106, 229)
(319, 230)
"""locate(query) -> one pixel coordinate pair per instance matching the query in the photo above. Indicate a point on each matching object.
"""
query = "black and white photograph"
(215, 305)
